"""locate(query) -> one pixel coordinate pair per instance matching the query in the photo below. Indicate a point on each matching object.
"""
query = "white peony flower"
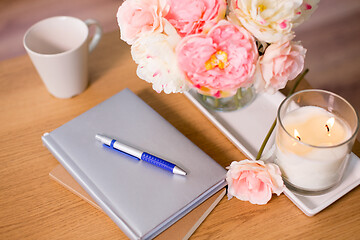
(157, 63)
(305, 11)
(271, 20)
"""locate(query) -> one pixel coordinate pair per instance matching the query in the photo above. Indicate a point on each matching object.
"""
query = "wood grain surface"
(32, 206)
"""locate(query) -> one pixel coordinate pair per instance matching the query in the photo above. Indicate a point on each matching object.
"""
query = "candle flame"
(329, 123)
(297, 134)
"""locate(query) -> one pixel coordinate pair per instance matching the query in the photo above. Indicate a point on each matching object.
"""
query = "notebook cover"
(182, 229)
(143, 200)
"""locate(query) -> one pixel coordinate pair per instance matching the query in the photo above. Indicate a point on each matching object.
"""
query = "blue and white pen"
(112, 143)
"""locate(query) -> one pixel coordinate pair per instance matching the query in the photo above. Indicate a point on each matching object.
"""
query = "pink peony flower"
(281, 62)
(195, 16)
(254, 181)
(221, 61)
(136, 17)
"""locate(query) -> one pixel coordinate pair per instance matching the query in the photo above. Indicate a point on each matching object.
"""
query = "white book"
(142, 199)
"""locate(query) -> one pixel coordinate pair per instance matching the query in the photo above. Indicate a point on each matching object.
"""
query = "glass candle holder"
(315, 134)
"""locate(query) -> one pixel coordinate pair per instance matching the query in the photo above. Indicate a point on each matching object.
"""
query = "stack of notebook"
(142, 199)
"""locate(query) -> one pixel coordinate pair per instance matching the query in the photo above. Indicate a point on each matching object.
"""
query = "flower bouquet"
(213, 46)
(216, 47)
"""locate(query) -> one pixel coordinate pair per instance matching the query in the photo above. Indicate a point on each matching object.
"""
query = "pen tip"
(179, 171)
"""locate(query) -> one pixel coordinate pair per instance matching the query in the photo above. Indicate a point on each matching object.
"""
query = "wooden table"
(32, 206)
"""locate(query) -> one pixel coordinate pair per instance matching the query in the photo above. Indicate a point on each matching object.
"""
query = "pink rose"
(221, 61)
(254, 181)
(281, 62)
(136, 17)
(194, 16)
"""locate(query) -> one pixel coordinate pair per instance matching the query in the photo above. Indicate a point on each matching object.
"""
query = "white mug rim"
(61, 53)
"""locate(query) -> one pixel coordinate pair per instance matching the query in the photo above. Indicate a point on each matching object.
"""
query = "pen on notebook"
(112, 143)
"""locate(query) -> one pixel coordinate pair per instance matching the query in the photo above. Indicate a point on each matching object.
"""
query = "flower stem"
(298, 80)
(239, 93)
(238, 97)
(216, 102)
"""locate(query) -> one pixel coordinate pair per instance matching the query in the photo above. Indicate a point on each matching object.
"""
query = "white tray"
(247, 128)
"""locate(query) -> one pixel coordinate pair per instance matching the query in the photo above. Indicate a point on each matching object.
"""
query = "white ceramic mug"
(59, 48)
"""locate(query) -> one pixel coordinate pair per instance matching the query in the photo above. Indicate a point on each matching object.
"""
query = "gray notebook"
(142, 199)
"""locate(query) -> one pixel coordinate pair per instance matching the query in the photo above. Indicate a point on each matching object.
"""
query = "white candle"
(310, 159)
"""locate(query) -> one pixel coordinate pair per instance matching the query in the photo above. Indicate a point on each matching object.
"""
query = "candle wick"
(327, 127)
(298, 138)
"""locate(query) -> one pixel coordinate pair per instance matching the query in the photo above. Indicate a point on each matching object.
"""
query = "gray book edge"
(202, 218)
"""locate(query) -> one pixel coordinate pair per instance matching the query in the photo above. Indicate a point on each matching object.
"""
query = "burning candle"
(314, 140)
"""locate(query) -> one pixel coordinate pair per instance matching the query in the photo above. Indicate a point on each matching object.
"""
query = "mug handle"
(98, 33)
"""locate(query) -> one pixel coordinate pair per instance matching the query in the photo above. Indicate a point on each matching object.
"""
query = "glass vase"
(242, 98)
